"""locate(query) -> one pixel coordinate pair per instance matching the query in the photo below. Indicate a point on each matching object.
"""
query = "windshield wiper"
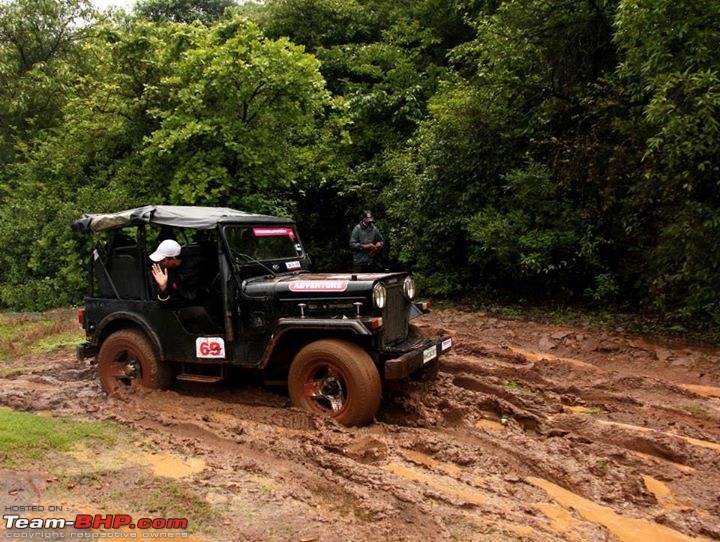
(250, 259)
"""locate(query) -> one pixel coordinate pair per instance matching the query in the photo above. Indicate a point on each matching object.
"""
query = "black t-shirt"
(183, 287)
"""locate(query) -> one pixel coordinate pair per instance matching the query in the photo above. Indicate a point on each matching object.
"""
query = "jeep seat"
(126, 272)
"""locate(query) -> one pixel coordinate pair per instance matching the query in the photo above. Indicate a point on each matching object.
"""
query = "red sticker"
(274, 232)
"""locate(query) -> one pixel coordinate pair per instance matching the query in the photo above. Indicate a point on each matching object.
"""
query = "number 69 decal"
(210, 347)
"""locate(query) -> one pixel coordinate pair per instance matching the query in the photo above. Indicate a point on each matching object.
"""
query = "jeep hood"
(319, 284)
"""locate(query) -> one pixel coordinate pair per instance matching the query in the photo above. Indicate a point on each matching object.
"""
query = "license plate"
(446, 344)
(429, 354)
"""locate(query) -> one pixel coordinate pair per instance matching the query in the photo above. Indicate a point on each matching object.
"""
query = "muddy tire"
(128, 359)
(338, 379)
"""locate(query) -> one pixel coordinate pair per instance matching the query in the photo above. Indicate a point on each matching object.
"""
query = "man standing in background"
(365, 242)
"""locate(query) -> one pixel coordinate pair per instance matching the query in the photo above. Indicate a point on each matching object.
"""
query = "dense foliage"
(539, 149)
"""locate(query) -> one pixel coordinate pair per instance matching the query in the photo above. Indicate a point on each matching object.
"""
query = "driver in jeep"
(177, 282)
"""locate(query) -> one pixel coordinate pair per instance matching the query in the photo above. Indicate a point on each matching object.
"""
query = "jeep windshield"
(265, 243)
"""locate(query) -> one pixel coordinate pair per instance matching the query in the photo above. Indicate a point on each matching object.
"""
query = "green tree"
(450, 171)
(168, 113)
(87, 163)
(182, 11)
(496, 195)
(242, 118)
(671, 76)
(38, 52)
(383, 60)
(319, 23)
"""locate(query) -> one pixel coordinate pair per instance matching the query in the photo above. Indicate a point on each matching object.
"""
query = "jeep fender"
(287, 327)
(124, 320)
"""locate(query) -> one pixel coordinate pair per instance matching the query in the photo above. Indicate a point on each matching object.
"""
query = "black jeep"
(334, 337)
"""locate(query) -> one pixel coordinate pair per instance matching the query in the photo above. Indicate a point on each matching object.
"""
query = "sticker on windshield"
(318, 286)
(210, 347)
(274, 232)
(292, 265)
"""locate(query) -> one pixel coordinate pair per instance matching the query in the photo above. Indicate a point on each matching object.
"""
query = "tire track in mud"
(539, 391)
(624, 402)
(510, 442)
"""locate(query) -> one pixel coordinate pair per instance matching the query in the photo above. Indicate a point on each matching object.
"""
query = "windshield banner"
(274, 232)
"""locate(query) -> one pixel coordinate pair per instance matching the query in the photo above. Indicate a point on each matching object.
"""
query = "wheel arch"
(127, 320)
(288, 341)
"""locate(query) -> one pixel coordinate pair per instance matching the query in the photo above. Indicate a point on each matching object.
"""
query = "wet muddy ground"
(529, 432)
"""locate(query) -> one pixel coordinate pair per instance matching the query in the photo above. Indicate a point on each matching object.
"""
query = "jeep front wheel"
(127, 359)
(338, 379)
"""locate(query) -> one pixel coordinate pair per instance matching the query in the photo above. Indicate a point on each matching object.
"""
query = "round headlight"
(379, 295)
(409, 288)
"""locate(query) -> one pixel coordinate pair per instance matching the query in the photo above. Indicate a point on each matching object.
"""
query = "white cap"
(167, 249)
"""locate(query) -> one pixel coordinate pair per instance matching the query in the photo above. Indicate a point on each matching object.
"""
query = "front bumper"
(426, 352)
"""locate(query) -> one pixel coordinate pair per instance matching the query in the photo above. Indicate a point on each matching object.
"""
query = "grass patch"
(62, 339)
(601, 465)
(516, 386)
(695, 410)
(161, 497)
(26, 437)
(117, 484)
(37, 333)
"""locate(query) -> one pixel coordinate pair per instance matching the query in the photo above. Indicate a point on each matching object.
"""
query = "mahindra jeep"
(335, 338)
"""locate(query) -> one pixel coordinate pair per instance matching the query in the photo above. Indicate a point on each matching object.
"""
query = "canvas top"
(180, 216)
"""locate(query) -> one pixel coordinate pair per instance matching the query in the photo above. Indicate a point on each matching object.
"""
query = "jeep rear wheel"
(128, 359)
(338, 379)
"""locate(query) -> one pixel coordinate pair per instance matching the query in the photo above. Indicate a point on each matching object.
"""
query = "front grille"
(395, 316)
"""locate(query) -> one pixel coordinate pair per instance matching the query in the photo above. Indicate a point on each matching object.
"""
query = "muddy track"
(529, 432)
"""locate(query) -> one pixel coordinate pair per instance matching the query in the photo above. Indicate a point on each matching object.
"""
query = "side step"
(206, 374)
(205, 379)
